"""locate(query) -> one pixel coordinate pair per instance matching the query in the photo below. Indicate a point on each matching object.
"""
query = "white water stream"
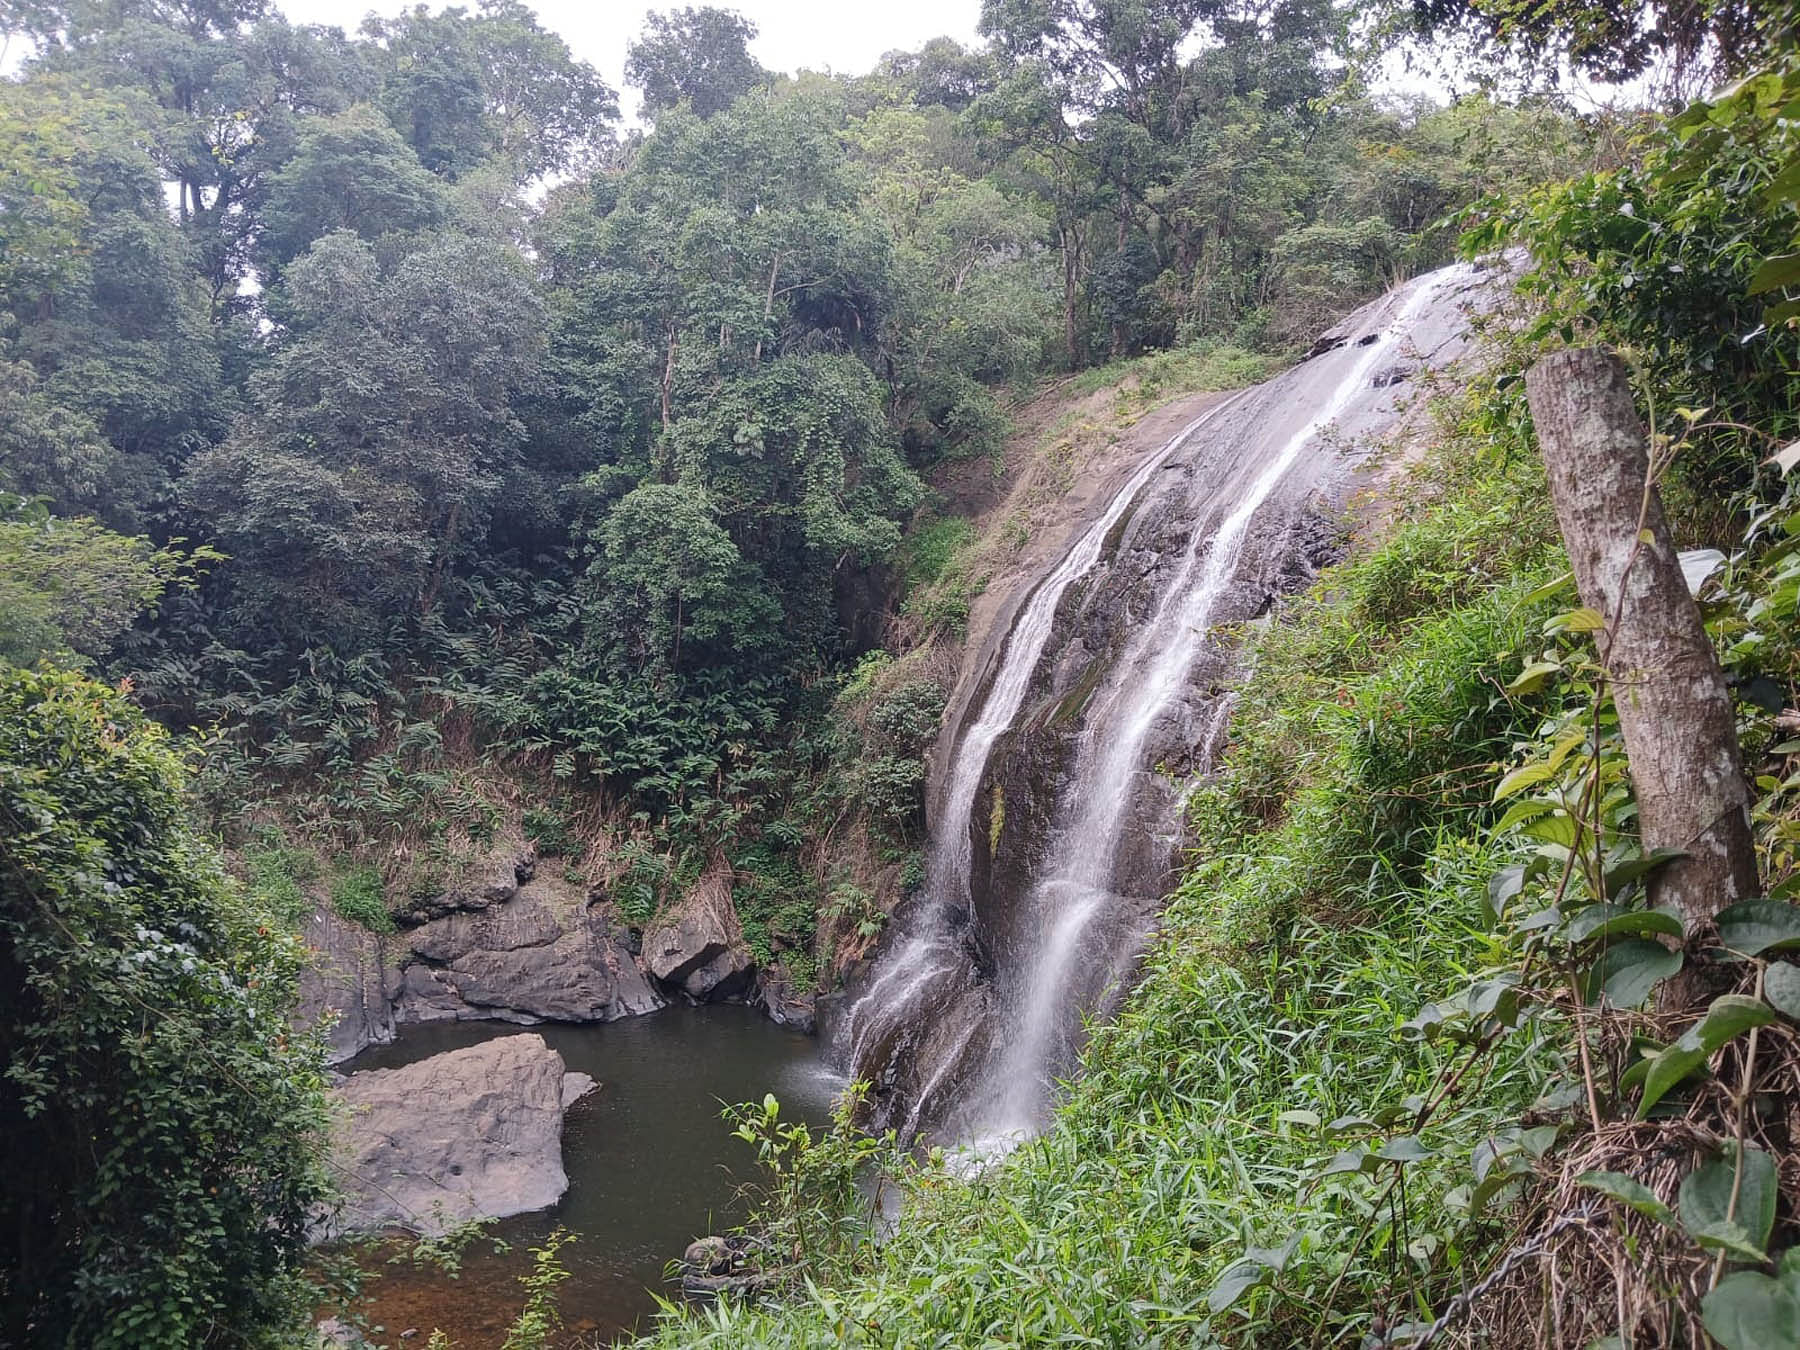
(1027, 1026)
(1077, 883)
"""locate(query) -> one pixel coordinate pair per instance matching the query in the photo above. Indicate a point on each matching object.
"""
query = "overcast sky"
(793, 34)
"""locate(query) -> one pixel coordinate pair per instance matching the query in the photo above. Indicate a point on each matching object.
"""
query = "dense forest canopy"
(477, 392)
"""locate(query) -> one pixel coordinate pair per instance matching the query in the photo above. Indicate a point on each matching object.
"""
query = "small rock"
(575, 1086)
(708, 1256)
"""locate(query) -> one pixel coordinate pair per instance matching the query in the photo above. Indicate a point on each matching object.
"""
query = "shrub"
(165, 1124)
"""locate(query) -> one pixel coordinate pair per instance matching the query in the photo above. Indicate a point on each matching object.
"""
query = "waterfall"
(925, 953)
(980, 997)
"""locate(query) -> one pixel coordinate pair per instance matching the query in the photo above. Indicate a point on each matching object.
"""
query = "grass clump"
(360, 896)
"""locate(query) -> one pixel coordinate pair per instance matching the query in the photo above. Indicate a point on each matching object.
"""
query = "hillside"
(1171, 658)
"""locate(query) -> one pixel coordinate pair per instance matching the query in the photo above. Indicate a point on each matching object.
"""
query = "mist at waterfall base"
(651, 1166)
(1057, 820)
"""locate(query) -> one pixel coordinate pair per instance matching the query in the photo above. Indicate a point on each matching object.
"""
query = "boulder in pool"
(470, 1134)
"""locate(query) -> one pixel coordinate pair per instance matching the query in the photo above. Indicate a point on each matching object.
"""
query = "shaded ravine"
(1058, 833)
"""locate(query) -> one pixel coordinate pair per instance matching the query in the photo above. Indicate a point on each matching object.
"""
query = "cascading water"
(927, 952)
(1021, 930)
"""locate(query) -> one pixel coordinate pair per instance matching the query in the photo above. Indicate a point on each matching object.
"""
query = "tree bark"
(1674, 709)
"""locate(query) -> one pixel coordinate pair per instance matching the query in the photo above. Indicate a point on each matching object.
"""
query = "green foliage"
(1665, 256)
(548, 827)
(360, 895)
(777, 903)
(930, 547)
(350, 172)
(278, 873)
(73, 586)
(815, 1209)
(539, 1321)
(173, 1122)
(698, 57)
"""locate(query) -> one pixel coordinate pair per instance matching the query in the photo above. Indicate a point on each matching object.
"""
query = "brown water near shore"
(651, 1166)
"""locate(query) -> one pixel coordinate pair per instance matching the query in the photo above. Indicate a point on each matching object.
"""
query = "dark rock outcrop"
(349, 986)
(493, 884)
(542, 954)
(697, 948)
(471, 1134)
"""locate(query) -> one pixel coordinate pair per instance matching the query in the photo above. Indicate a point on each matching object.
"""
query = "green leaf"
(1534, 677)
(1236, 1280)
(1787, 457)
(1621, 875)
(1309, 1119)
(1583, 620)
(1729, 1238)
(1550, 588)
(1625, 974)
(1357, 1159)
(1781, 986)
(1406, 1148)
(1752, 927)
(1529, 775)
(1706, 1204)
(1628, 1191)
(1666, 1068)
(1504, 884)
(1729, 1015)
(1610, 921)
(1750, 1311)
(1781, 270)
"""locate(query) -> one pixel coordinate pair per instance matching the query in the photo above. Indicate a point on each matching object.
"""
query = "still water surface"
(651, 1167)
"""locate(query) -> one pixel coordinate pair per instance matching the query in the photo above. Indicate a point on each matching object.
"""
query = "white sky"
(792, 34)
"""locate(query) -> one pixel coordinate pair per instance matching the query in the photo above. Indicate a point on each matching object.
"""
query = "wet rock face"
(697, 948)
(349, 986)
(472, 1134)
(1073, 826)
(542, 954)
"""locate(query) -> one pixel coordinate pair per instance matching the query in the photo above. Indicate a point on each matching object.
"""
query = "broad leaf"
(1629, 1191)
(1626, 973)
(1234, 1282)
(1706, 1200)
(1752, 927)
(1357, 1159)
(1621, 875)
(1533, 678)
(1750, 1311)
(1664, 1070)
(1610, 921)
(1406, 1148)
(1781, 986)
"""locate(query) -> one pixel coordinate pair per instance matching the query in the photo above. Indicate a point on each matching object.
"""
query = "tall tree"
(365, 473)
(700, 57)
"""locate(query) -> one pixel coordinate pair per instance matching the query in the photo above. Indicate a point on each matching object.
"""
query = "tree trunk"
(1674, 709)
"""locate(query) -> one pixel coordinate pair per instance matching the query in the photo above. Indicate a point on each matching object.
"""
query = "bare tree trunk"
(668, 378)
(768, 304)
(1674, 709)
